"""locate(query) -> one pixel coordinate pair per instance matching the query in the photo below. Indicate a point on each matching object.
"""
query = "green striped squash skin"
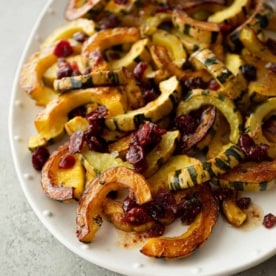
(153, 111)
(258, 21)
(244, 186)
(101, 78)
(201, 172)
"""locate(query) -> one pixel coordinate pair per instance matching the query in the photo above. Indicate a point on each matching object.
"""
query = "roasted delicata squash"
(198, 232)
(234, 14)
(198, 98)
(249, 176)
(153, 111)
(89, 209)
(50, 121)
(255, 121)
(68, 29)
(146, 106)
(63, 182)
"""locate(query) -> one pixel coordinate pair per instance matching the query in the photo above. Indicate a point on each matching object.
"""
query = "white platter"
(227, 251)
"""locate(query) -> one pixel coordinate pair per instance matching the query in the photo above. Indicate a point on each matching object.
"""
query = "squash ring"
(89, 209)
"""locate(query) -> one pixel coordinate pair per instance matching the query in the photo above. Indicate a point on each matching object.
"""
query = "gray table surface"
(26, 247)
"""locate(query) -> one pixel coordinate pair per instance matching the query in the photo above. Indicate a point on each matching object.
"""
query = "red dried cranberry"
(225, 28)
(64, 69)
(109, 21)
(249, 71)
(96, 143)
(213, 85)
(149, 134)
(188, 209)
(63, 49)
(136, 156)
(39, 157)
(139, 70)
(80, 37)
(224, 194)
(251, 150)
(96, 56)
(99, 113)
(156, 230)
(193, 83)
(186, 124)
(149, 95)
(269, 220)
(129, 203)
(67, 161)
(137, 215)
(76, 142)
(243, 202)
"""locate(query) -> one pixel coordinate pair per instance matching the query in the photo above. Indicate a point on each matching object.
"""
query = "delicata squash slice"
(31, 75)
(249, 176)
(255, 121)
(198, 232)
(51, 120)
(153, 111)
(89, 209)
(68, 29)
(61, 183)
(197, 98)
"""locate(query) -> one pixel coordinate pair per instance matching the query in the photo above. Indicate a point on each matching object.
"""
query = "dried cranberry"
(251, 150)
(96, 143)
(63, 49)
(224, 194)
(188, 209)
(67, 161)
(96, 56)
(149, 134)
(213, 85)
(64, 69)
(39, 157)
(99, 113)
(225, 28)
(269, 220)
(156, 230)
(243, 202)
(80, 37)
(76, 142)
(136, 156)
(149, 95)
(139, 70)
(137, 215)
(186, 124)
(129, 203)
(109, 21)
(249, 71)
(193, 83)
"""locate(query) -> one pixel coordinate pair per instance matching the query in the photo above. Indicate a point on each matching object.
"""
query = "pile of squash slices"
(176, 43)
